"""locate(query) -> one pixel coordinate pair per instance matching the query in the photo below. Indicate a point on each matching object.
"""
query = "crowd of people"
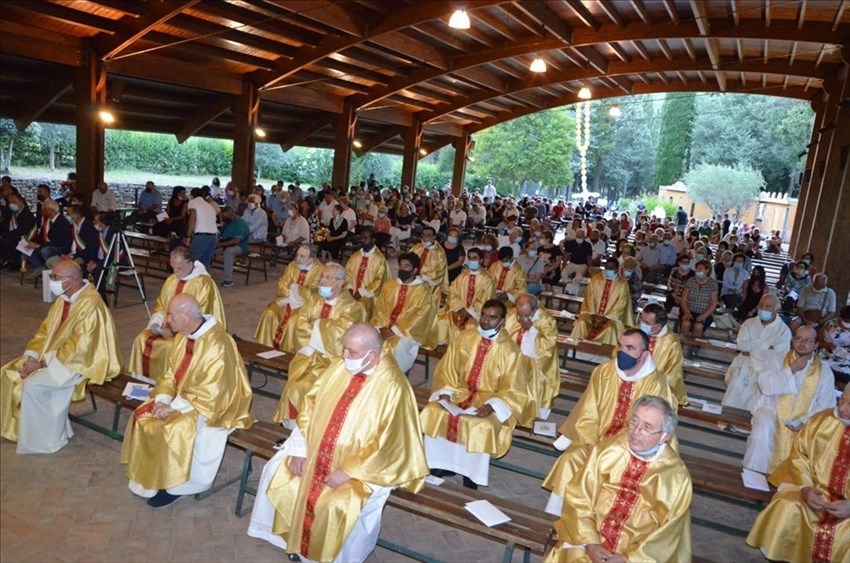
(352, 329)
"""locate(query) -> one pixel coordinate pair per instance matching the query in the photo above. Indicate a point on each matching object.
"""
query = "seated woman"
(337, 233)
(490, 247)
(754, 288)
(175, 223)
(834, 345)
(455, 253)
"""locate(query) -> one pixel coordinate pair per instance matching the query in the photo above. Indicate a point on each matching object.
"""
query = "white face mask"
(56, 287)
(489, 334)
(355, 366)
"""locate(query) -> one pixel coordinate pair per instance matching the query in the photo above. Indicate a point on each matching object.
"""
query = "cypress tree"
(674, 143)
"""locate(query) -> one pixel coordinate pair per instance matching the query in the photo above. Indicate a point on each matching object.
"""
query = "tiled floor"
(75, 506)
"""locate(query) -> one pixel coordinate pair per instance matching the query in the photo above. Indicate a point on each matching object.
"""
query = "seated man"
(482, 374)
(535, 331)
(816, 303)
(175, 441)
(631, 500)
(508, 276)
(357, 438)
(75, 343)
(809, 517)
(19, 224)
(313, 335)
(303, 272)
(405, 313)
(256, 219)
(603, 409)
(666, 350)
(84, 241)
(434, 270)
(758, 338)
(53, 236)
(232, 243)
(367, 270)
(467, 294)
(606, 308)
(150, 348)
(792, 387)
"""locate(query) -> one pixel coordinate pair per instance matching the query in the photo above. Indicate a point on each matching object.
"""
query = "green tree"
(724, 188)
(60, 142)
(674, 144)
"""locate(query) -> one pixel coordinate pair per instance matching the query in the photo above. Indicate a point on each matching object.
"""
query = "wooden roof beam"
(372, 142)
(67, 15)
(547, 18)
(733, 9)
(584, 14)
(496, 25)
(838, 13)
(801, 14)
(793, 54)
(739, 47)
(43, 98)
(305, 131)
(665, 49)
(596, 59)
(766, 13)
(611, 11)
(689, 47)
(134, 28)
(698, 7)
(205, 114)
(641, 50)
(640, 10)
(620, 52)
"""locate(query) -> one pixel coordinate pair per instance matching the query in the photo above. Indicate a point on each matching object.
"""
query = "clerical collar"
(73, 298)
(647, 368)
(844, 421)
(415, 281)
(536, 315)
(332, 302)
(198, 269)
(649, 459)
(370, 252)
(661, 333)
(209, 322)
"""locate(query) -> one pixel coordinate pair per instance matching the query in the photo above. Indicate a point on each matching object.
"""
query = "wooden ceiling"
(176, 66)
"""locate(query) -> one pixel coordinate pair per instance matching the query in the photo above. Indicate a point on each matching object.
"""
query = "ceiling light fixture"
(459, 20)
(357, 144)
(423, 152)
(584, 94)
(260, 133)
(537, 65)
(106, 117)
(615, 111)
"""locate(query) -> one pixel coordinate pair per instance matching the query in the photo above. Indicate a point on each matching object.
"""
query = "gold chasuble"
(149, 354)
(602, 411)
(468, 291)
(512, 281)
(315, 336)
(365, 425)
(788, 529)
(409, 311)
(367, 273)
(434, 267)
(667, 354)
(475, 369)
(637, 508)
(277, 314)
(81, 335)
(607, 298)
(210, 375)
(542, 367)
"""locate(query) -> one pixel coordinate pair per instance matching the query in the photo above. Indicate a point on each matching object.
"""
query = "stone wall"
(126, 193)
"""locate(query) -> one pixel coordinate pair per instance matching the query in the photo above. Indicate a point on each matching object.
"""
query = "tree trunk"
(52, 156)
(7, 160)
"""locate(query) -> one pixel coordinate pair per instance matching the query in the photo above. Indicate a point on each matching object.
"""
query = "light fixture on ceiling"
(423, 152)
(537, 65)
(260, 132)
(615, 111)
(459, 20)
(106, 117)
(584, 94)
(470, 158)
(357, 144)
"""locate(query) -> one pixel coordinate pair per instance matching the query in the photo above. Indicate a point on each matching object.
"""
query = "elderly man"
(233, 242)
(367, 270)
(580, 254)
(816, 303)
(300, 275)
(149, 203)
(256, 218)
(758, 338)
(809, 517)
(632, 499)
(405, 313)
(535, 331)
(150, 348)
(84, 242)
(480, 392)
(606, 308)
(103, 199)
(666, 350)
(508, 275)
(175, 441)
(313, 335)
(467, 294)
(76, 343)
(53, 236)
(651, 258)
(434, 270)
(357, 438)
(21, 223)
(603, 408)
(792, 387)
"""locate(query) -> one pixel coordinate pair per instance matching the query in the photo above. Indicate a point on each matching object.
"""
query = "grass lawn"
(126, 177)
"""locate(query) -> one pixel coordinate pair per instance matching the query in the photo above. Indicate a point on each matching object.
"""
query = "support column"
(819, 107)
(344, 127)
(90, 90)
(246, 110)
(412, 144)
(462, 146)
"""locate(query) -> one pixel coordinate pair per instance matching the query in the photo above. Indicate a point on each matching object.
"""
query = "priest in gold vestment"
(508, 275)
(302, 274)
(467, 294)
(535, 331)
(606, 309)
(480, 392)
(603, 409)
(367, 270)
(315, 335)
(150, 350)
(631, 500)
(405, 313)
(175, 441)
(809, 517)
(357, 438)
(76, 343)
(666, 350)
(435, 269)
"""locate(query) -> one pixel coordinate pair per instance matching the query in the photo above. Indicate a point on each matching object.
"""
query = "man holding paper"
(603, 409)
(300, 275)
(508, 275)
(357, 438)
(666, 350)
(434, 270)
(315, 336)
(606, 308)
(174, 442)
(467, 294)
(480, 392)
(76, 343)
(809, 517)
(367, 270)
(631, 500)
(150, 348)
(792, 387)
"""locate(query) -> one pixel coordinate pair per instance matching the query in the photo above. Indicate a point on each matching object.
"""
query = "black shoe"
(293, 557)
(163, 500)
(469, 484)
(442, 473)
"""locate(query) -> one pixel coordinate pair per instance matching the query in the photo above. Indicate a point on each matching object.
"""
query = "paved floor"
(75, 506)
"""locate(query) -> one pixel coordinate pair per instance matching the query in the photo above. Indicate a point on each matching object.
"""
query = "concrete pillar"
(412, 144)
(344, 127)
(90, 90)
(246, 110)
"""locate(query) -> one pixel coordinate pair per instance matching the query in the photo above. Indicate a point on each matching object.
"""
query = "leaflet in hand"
(160, 217)
(455, 410)
(23, 248)
(137, 391)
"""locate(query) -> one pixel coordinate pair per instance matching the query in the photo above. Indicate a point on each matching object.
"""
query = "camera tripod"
(111, 264)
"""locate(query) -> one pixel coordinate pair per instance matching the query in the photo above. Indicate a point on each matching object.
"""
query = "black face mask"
(42, 197)
(405, 275)
(367, 246)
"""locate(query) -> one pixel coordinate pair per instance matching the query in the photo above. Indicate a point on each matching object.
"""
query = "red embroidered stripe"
(624, 503)
(146, 354)
(278, 335)
(180, 285)
(302, 275)
(326, 310)
(185, 362)
(652, 341)
(472, 381)
(520, 336)
(423, 256)
(361, 273)
(470, 291)
(293, 412)
(66, 309)
(399, 305)
(825, 534)
(502, 277)
(621, 410)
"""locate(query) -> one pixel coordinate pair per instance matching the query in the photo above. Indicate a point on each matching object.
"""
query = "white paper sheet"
(753, 480)
(23, 249)
(162, 216)
(488, 514)
(713, 409)
(144, 379)
(545, 428)
(434, 480)
(455, 410)
(137, 391)
(270, 354)
(279, 240)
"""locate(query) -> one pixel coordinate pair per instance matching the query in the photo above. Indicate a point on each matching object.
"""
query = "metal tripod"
(111, 264)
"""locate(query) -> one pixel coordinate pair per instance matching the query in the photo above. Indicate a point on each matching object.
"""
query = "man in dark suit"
(52, 238)
(20, 223)
(84, 239)
(105, 233)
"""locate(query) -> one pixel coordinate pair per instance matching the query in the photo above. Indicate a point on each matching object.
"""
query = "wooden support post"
(462, 146)
(90, 90)
(794, 246)
(246, 109)
(412, 144)
(344, 126)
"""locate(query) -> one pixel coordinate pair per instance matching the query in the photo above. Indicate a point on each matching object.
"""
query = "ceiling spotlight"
(357, 144)
(537, 65)
(615, 111)
(459, 20)
(584, 94)
(260, 133)
(106, 116)
(470, 158)
(423, 152)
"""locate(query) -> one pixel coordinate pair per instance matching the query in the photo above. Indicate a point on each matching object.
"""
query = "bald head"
(526, 305)
(184, 313)
(361, 345)
(68, 273)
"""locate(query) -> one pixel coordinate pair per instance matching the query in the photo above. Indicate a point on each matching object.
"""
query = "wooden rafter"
(584, 14)
(305, 131)
(134, 28)
(374, 141)
(42, 99)
(203, 116)
(547, 18)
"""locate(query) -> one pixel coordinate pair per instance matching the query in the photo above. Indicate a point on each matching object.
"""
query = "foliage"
(674, 143)
(652, 203)
(724, 188)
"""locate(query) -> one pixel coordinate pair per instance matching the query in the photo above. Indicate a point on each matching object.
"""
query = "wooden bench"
(148, 242)
(154, 263)
(275, 367)
(244, 264)
(111, 391)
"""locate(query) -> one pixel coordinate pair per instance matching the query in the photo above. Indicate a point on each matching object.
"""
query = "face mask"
(354, 366)
(799, 272)
(652, 245)
(42, 197)
(700, 257)
(579, 239)
(627, 273)
(452, 240)
(404, 275)
(609, 274)
(56, 287)
(532, 253)
(428, 243)
(685, 267)
(488, 247)
(700, 275)
(325, 291)
(304, 267)
(473, 265)
(651, 451)
(625, 362)
(506, 265)
(807, 261)
(765, 316)
(667, 243)
(647, 329)
(739, 266)
(489, 334)
(13, 207)
(727, 264)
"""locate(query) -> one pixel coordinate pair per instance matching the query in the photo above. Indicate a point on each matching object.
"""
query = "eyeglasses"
(57, 278)
(802, 340)
(644, 430)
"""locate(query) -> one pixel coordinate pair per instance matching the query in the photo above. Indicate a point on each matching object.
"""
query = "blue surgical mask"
(700, 275)
(765, 316)
(807, 261)
(647, 329)
(627, 274)
(428, 243)
(489, 334)
(488, 248)
(625, 362)
(651, 451)
(506, 264)
(609, 274)
(304, 267)
(473, 265)
(727, 263)
(325, 291)
(685, 267)
(700, 257)
(532, 253)
(14, 208)
(452, 240)
(739, 266)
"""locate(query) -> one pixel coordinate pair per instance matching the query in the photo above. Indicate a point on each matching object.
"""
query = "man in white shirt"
(326, 208)
(816, 303)
(599, 246)
(202, 232)
(348, 214)
(367, 213)
(103, 199)
(489, 191)
(477, 216)
(457, 218)
(257, 219)
(296, 230)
